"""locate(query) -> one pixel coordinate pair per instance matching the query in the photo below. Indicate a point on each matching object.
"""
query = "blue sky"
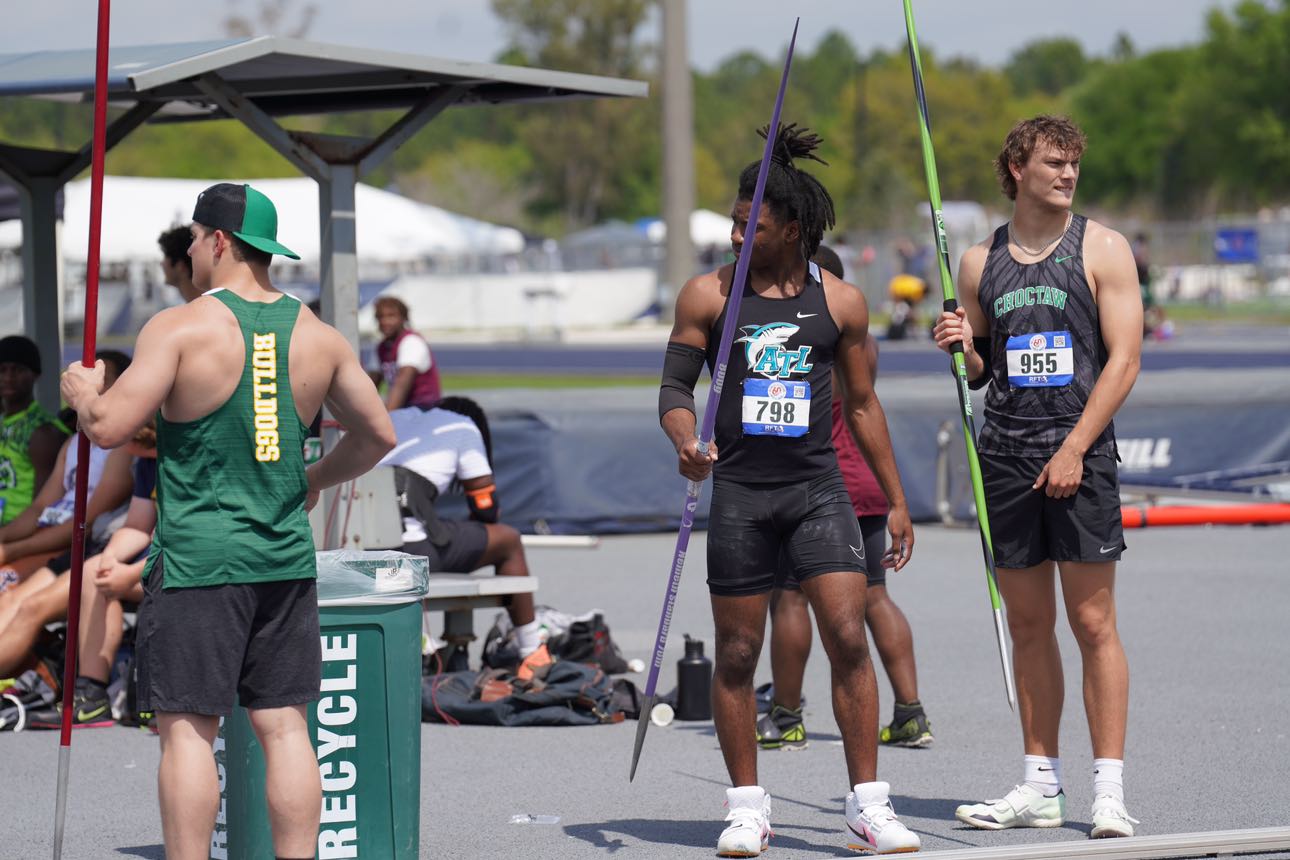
(986, 30)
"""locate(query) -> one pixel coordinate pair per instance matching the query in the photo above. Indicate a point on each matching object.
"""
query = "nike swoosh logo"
(1104, 550)
(863, 834)
(859, 551)
(1050, 770)
(86, 716)
(802, 316)
(1063, 259)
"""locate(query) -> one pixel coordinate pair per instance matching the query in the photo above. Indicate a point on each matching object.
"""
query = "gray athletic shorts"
(200, 650)
(757, 532)
(462, 552)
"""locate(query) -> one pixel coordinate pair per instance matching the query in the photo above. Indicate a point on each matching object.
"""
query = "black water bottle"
(693, 683)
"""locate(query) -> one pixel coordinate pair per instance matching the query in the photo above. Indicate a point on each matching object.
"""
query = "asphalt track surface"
(1201, 614)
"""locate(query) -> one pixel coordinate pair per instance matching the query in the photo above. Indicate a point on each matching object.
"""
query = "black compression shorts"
(1028, 527)
(873, 529)
(757, 532)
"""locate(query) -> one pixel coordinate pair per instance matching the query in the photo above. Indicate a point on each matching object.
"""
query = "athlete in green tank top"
(231, 485)
(233, 491)
(17, 472)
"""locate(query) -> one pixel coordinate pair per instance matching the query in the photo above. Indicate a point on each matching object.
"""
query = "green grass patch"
(1267, 311)
(480, 381)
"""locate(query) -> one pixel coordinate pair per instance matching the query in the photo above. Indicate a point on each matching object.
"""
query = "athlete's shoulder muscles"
(848, 306)
(854, 358)
(1113, 274)
(698, 305)
(968, 286)
(139, 392)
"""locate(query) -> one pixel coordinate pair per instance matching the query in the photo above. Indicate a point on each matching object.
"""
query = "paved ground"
(1202, 615)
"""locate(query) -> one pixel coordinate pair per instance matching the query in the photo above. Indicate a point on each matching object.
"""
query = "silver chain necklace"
(1012, 237)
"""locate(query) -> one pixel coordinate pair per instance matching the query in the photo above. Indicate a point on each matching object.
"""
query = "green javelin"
(957, 359)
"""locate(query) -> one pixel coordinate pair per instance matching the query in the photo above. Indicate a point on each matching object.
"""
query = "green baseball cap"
(244, 212)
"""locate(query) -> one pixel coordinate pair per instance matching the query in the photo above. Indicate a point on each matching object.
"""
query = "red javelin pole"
(83, 443)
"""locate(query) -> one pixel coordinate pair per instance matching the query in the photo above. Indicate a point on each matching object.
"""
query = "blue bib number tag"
(775, 408)
(1042, 360)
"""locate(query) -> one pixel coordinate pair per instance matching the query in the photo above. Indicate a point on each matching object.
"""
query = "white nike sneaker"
(872, 824)
(748, 833)
(1024, 806)
(1110, 818)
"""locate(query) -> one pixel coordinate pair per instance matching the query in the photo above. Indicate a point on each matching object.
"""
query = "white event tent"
(391, 229)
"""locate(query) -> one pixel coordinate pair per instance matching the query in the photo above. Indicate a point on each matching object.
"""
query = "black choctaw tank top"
(775, 414)
(1046, 348)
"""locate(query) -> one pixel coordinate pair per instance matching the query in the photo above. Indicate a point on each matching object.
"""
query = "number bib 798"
(775, 408)
(1041, 360)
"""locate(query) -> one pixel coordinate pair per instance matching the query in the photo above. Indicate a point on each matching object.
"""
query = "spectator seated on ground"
(440, 449)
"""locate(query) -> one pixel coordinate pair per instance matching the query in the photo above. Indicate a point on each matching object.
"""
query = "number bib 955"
(775, 408)
(1042, 360)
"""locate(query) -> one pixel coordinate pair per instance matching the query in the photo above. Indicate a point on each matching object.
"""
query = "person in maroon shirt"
(408, 370)
(790, 638)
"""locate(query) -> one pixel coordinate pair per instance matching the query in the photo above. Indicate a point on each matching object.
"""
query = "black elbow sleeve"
(682, 365)
(982, 347)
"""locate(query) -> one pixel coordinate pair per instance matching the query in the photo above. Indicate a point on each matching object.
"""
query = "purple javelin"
(694, 488)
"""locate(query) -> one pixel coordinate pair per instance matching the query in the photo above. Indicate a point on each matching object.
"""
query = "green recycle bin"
(366, 724)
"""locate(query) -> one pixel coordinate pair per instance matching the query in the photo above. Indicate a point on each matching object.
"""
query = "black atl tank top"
(1046, 348)
(775, 414)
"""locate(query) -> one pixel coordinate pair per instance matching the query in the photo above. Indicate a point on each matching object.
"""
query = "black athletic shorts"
(758, 532)
(1029, 527)
(873, 529)
(201, 649)
(462, 552)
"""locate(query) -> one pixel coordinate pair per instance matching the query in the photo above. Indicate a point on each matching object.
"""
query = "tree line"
(1195, 130)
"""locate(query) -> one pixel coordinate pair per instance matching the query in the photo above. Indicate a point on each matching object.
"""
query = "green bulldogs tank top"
(231, 485)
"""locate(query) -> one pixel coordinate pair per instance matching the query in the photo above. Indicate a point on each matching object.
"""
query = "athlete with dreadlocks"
(442, 447)
(778, 500)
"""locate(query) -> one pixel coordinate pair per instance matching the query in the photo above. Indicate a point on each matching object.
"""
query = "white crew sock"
(528, 637)
(1044, 774)
(1108, 777)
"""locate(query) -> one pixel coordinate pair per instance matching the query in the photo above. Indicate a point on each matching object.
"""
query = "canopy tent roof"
(391, 228)
(256, 81)
(290, 77)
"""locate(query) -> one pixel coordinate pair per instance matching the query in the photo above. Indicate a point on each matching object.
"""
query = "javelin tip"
(642, 726)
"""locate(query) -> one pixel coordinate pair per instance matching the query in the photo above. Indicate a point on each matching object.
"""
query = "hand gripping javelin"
(694, 488)
(959, 366)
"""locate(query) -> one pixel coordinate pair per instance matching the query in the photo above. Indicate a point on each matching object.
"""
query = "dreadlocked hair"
(793, 194)
(472, 410)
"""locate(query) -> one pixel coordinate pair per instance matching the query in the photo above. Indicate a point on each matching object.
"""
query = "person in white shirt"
(441, 448)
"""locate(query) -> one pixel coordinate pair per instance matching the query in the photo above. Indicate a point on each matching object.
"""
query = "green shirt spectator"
(30, 437)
